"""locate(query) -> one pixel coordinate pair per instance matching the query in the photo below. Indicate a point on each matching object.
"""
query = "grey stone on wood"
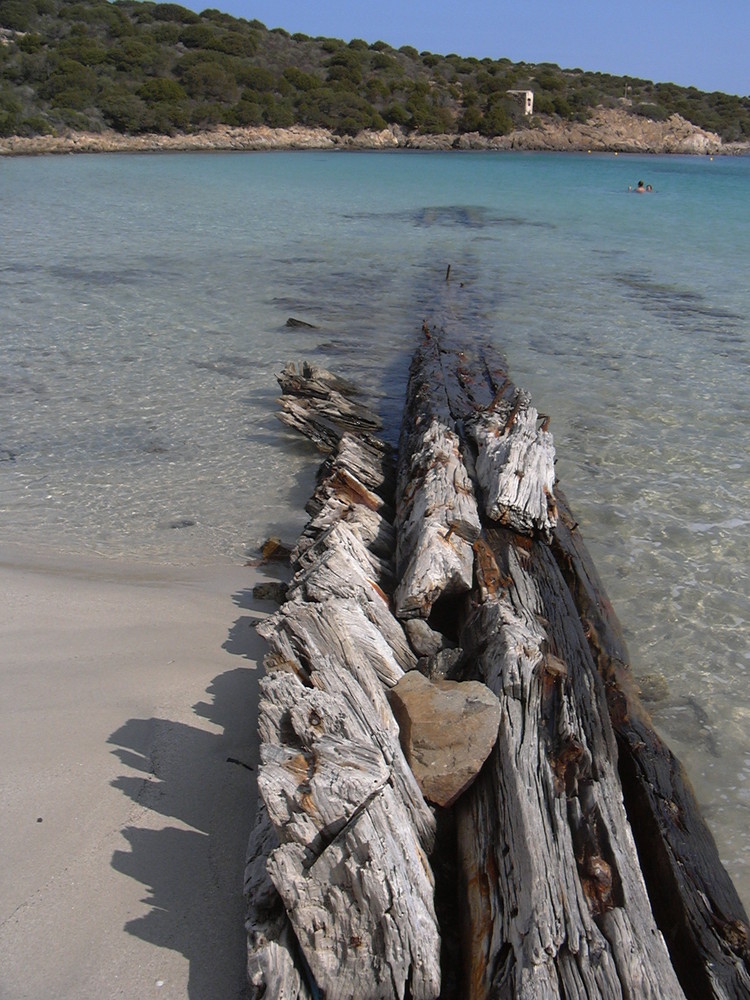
(448, 729)
(446, 664)
(424, 640)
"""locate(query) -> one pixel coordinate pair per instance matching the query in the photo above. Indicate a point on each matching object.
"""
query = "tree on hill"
(135, 65)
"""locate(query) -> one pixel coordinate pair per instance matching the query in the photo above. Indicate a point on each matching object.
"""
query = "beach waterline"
(147, 315)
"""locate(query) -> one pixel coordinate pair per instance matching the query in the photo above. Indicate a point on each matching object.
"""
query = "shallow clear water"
(144, 301)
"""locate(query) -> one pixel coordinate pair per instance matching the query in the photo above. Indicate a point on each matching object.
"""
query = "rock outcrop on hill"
(607, 130)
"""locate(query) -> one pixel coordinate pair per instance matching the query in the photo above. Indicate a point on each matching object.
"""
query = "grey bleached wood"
(363, 910)
(441, 565)
(514, 460)
(318, 763)
(557, 903)
(327, 396)
(336, 574)
(347, 488)
(694, 900)
(299, 416)
(343, 534)
(436, 517)
(339, 625)
(367, 458)
(358, 713)
(515, 466)
(272, 952)
(351, 866)
(352, 870)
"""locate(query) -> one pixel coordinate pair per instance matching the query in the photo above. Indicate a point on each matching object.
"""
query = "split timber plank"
(557, 900)
(514, 454)
(694, 900)
(273, 952)
(327, 397)
(349, 864)
(372, 529)
(352, 867)
(437, 517)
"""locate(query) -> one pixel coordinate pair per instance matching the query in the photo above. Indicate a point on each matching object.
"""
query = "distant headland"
(607, 130)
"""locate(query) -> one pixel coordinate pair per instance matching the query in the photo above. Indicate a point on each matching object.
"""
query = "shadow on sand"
(203, 777)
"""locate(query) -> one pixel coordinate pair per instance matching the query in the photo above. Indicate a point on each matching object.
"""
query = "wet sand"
(125, 689)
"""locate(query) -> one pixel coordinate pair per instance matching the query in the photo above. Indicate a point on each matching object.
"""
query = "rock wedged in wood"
(447, 730)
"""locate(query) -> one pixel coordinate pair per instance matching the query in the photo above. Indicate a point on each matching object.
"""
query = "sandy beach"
(128, 711)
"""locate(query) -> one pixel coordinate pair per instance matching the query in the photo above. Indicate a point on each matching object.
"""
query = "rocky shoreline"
(607, 130)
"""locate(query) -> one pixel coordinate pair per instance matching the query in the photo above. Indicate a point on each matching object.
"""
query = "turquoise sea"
(144, 301)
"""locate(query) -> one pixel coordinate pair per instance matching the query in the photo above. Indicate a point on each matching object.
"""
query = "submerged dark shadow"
(192, 869)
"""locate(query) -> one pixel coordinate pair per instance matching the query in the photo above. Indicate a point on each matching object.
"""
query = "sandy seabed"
(127, 716)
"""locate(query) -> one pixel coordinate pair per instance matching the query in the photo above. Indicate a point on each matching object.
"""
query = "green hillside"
(158, 67)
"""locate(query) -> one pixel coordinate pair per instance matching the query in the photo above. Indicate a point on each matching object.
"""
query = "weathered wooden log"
(331, 393)
(557, 903)
(513, 458)
(437, 517)
(352, 869)
(515, 466)
(701, 917)
(367, 458)
(320, 404)
(694, 901)
(342, 534)
(346, 488)
(350, 866)
(273, 952)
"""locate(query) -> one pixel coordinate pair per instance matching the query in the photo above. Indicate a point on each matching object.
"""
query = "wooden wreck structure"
(576, 863)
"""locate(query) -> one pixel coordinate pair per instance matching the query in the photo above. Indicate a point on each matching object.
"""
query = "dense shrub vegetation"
(141, 66)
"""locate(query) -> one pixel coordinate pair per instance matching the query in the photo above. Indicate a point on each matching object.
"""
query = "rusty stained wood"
(353, 832)
(556, 901)
(694, 900)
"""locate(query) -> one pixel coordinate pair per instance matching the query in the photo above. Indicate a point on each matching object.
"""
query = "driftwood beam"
(694, 900)
(556, 897)
(577, 864)
(436, 517)
(348, 885)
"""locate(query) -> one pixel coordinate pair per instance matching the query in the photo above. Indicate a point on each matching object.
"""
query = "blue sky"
(699, 43)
